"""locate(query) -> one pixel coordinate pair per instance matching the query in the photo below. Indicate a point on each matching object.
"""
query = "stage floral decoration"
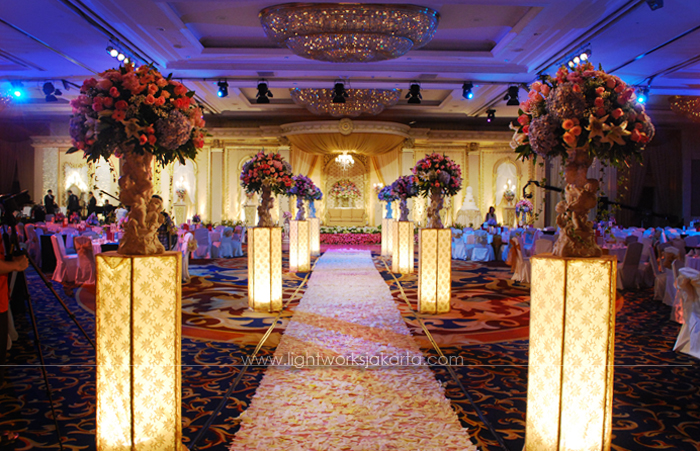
(436, 176)
(386, 195)
(509, 195)
(304, 189)
(266, 173)
(196, 219)
(345, 189)
(350, 238)
(92, 220)
(137, 114)
(580, 115)
(403, 189)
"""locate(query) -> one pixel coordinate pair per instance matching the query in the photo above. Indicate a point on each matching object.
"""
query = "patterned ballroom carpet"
(656, 392)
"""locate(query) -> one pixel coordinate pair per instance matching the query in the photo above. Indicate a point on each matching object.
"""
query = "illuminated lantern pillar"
(402, 255)
(315, 236)
(138, 335)
(434, 270)
(265, 269)
(299, 252)
(572, 340)
(387, 237)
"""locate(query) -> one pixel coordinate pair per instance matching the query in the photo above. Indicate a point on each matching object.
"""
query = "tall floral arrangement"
(266, 173)
(304, 189)
(403, 189)
(436, 176)
(579, 115)
(137, 114)
(524, 211)
(345, 189)
(385, 194)
(317, 195)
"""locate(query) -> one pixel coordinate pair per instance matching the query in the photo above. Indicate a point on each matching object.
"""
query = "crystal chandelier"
(349, 33)
(688, 106)
(359, 101)
(345, 161)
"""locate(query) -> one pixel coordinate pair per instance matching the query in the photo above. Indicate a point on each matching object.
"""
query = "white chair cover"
(692, 240)
(659, 277)
(543, 246)
(677, 301)
(522, 265)
(688, 285)
(70, 233)
(33, 243)
(186, 256)
(237, 241)
(204, 245)
(86, 261)
(215, 240)
(226, 245)
(627, 272)
(66, 265)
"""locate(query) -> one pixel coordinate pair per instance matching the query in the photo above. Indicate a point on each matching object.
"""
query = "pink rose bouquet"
(345, 189)
(267, 169)
(437, 171)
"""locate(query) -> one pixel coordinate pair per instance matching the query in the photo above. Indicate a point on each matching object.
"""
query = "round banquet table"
(693, 263)
(619, 252)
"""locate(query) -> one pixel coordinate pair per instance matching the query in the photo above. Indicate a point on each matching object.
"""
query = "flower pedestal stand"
(315, 236)
(387, 237)
(572, 338)
(434, 270)
(138, 335)
(265, 269)
(299, 252)
(402, 253)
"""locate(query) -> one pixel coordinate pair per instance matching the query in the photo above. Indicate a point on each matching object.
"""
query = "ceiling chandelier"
(4, 101)
(349, 33)
(688, 106)
(345, 161)
(358, 101)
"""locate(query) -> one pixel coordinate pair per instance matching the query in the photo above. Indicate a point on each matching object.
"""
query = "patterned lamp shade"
(265, 269)
(434, 270)
(402, 254)
(315, 236)
(299, 250)
(572, 338)
(387, 237)
(138, 335)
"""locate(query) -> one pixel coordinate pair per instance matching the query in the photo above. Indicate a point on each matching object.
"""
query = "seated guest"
(490, 218)
(121, 212)
(164, 231)
(108, 208)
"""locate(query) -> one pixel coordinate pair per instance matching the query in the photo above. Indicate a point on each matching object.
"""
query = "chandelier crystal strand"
(688, 106)
(4, 101)
(359, 101)
(349, 33)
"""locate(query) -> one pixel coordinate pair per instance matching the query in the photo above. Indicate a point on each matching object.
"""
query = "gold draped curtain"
(369, 144)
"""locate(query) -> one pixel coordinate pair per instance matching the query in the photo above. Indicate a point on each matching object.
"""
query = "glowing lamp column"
(402, 255)
(387, 237)
(138, 335)
(572, 339)
(299, 252)
(315, 236)
(265, 269)
(434, 270)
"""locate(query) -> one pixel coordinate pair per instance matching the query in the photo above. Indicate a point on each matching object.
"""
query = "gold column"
(571, 353)
(434, 270)
(265, 269)
(299, 252)
(138, 335)
(315, 236)
(402, 255)
(387, 237)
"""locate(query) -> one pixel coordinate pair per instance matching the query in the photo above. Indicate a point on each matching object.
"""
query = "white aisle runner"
(368, 390)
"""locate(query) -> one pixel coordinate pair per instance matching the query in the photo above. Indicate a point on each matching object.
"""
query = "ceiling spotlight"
(490, 115)
(512, 96)
(579, 58)
(467, 90)
(126, 60)
(643, 95)
(17, 90)
(121, 56)
(112, 51)
(414, 95)
(339, 92)
(223, 89)
(50, 92)
(264, 93)
(655, 4)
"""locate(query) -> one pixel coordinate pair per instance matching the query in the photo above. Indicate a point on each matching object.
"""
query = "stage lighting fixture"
(223, 89)
(490, 115)
(339, 92)
(17, 89)
(467, 91)
(263, 92)
(643, 95)
(655, 4)
(414, 95)
(50, 92)
(579, 58)
(112, 51)
(512, 96)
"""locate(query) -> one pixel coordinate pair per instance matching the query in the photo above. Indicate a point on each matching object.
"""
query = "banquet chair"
(688, 285)
(215, 240)
(66, 265)
(677, 301)
(184, 248)
(543, 246)
(86, 261)
(244, 230)
(203, 244)
(627, 272)
(631, 239)
(522, 262)
(482, 251)
(237, 241)
(33, 244)
(692, 241)
(659, 277)
(226, 244)
(70, 233)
